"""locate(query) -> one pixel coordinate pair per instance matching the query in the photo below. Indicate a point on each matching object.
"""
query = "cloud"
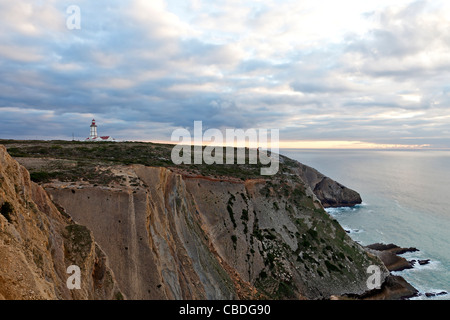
(411, 40)
(349, 71)
(21, 54)
(30, 18)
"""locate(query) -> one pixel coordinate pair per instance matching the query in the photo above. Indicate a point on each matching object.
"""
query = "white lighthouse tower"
(93, 134)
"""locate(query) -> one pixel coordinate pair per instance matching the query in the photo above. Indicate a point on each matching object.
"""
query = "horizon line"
(296, 144)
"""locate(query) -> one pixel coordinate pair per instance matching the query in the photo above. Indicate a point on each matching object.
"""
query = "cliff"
(176, 233)
(38, 243)
(180, 237)
(328, 191)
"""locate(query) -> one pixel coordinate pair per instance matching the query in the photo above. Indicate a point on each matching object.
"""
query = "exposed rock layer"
(179, 237)
(168, 235)
(328, 191)
(38, 243)
(389, 254)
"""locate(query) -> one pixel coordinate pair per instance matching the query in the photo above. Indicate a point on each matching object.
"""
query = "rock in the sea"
(391, 248)
(388, 254)
(405, 250)
(434, 294)
(424, 262)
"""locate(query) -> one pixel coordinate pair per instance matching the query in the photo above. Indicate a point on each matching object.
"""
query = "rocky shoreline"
(390, 255)
(395, 287)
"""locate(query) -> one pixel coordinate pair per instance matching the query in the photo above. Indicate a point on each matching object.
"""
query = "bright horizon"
(325, 145)
(345, 145)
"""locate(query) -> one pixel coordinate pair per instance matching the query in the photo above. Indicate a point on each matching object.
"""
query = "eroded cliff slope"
(194, 232)
(38, 243)
(176, 236)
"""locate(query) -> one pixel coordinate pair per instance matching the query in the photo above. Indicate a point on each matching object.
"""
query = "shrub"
(231, 213)
(234, 239)
(275, 206)
(39, 176)
(285, 290)
(119, 295)
(312, 233)
(270, 236)
(331, 267)
(258, 234)
(270, 260)
(244, 215)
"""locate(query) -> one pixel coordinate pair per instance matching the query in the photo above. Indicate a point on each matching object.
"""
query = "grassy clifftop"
(69, 160)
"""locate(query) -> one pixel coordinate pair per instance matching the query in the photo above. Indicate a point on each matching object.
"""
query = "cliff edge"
(169, 232)
(330, 192)
(38, 243)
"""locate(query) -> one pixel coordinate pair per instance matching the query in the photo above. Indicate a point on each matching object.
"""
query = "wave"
(419, 271)
(351, 230)
(432, 265)
(362, 204)
(436, 294)
(416, 256)
(340, 210)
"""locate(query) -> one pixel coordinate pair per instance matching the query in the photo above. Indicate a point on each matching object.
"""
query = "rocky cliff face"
(38, 243)
(174, 236)
(167, 233)
(328, 191)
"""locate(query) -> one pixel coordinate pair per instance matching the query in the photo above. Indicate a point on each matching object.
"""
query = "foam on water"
(406, 202)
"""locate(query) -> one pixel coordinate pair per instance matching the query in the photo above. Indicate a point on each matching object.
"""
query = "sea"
(406, 201)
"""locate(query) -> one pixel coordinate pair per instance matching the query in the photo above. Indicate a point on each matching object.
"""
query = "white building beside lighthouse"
(93, 136)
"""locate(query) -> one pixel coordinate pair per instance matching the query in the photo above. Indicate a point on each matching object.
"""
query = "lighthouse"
(93, 134)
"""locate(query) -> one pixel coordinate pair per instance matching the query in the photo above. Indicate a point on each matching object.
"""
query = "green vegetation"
(244, 219)
(244, 215)
(119, 296)
(86, 156)
(257, 233)
(42, 176)
(285, 290)
(275, 206)
(324, 252)
(80, 241)
(234, 239)
(230, 210)
(331, 267)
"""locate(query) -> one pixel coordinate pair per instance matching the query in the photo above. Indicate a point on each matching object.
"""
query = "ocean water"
(406, 201)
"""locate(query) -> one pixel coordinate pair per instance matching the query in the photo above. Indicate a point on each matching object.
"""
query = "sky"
(327, 74)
